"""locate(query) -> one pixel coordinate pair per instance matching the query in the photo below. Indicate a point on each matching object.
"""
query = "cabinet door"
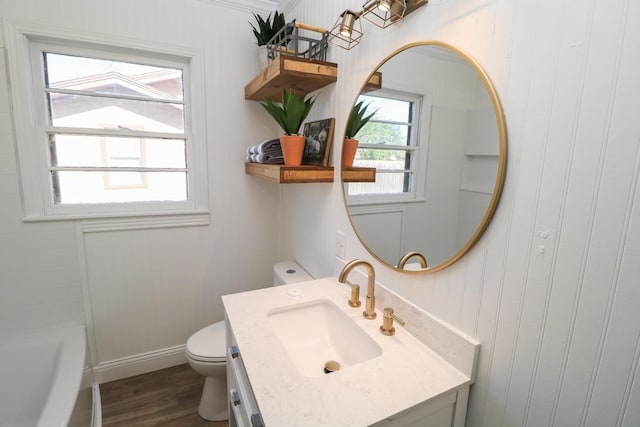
(243, 408)
(435, 413)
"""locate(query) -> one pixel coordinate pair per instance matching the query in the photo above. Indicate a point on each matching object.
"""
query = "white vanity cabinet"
(405, 383)
(243, 408)
(444, 411)
(448, 410)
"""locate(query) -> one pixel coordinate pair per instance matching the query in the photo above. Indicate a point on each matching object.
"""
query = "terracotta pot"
(292, 149)
(349, 148)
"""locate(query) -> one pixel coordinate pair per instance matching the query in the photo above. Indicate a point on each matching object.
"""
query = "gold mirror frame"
(502, 158)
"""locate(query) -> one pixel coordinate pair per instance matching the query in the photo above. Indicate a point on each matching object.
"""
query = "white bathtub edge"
(70, 368)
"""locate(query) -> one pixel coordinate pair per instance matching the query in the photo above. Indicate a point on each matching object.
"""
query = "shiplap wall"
(553, 288)
(551, 291)
(144, 291)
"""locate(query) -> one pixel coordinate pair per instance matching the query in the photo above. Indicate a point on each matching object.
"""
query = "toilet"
(206, 350)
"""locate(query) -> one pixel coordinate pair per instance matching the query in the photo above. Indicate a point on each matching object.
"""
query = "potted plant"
(266, 29)
(289, 116)
(357, 120)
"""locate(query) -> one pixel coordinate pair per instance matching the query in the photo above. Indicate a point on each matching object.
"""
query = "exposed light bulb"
(346, 28)
(384, 5)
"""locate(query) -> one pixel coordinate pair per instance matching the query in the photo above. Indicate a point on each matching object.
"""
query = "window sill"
(383, 201)
(139, 221)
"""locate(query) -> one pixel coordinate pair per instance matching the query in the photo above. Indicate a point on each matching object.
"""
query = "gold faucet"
(370, 303)
(414, 254)
(387, 322)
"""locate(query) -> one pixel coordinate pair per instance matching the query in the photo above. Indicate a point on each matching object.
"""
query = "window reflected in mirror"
(389, 142)
(438, 144)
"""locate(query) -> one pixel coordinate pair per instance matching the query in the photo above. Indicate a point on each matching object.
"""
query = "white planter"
(263, 58)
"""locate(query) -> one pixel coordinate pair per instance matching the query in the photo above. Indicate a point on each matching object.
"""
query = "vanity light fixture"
(383, 13)
(347, 31)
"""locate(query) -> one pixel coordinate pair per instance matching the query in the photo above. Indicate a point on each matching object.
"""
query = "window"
(112, 132)
(140, 156)
(389, 142)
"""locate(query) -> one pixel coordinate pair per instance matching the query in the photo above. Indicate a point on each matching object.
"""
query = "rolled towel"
(268, 146)
(266, 158)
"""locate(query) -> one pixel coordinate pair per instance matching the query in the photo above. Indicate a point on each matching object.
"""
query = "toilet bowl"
(206, 351)
(206, 355)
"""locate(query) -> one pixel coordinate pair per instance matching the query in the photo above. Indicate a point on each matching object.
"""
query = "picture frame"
(319, 138)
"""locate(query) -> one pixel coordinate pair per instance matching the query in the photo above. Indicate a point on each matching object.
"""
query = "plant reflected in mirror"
(437, 139)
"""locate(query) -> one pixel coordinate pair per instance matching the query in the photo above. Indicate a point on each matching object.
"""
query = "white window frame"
(24, 44)
(419, 135)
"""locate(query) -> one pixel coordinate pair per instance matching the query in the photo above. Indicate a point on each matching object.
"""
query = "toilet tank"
(287, 272)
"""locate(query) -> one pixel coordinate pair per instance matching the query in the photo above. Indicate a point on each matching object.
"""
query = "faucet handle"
(354, 301)
(387, 322)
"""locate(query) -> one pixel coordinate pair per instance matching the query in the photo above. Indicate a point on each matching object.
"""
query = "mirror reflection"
(438, 143)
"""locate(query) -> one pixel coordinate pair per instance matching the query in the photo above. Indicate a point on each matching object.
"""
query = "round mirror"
(437, 140)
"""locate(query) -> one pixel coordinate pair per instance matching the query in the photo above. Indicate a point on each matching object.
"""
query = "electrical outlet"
(341, 245)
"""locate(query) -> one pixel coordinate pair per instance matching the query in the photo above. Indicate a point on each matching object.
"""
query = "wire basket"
(298, 39)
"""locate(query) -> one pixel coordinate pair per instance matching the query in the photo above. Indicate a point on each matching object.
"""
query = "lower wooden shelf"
(359, 175)
(306, 173)
(289, 174)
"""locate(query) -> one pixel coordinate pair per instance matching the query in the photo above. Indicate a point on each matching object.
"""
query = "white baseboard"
(139, 364)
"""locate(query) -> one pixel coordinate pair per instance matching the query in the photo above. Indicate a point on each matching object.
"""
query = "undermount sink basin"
(317, 332)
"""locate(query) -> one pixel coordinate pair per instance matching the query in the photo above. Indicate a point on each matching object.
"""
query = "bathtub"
(40, 376)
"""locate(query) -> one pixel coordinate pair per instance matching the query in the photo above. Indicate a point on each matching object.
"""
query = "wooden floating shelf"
(289, 174)
(359, 175)
(374, 82)
(306, 173)
(290, 72)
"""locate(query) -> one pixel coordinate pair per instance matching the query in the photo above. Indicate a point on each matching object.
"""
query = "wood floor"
(169, 397)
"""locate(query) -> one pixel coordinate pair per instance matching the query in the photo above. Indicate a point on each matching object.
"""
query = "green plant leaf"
(357, 119)
(291, 113)
(267, 28)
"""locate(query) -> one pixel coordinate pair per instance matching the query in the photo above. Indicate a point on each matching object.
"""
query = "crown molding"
(287, 6)
(246, 5)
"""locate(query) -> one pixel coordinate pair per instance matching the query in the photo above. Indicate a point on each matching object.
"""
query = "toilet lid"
(208, 344)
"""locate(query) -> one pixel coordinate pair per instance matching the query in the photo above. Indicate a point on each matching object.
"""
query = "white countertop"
(407, 372)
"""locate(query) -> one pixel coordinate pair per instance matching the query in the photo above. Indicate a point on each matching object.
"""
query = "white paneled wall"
(552, 290)
(146, 290)
(39, 281)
